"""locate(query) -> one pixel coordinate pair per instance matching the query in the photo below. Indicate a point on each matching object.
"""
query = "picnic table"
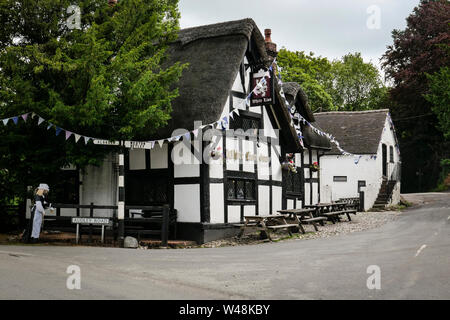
(332, 211)
(265, 223)
(306, 216)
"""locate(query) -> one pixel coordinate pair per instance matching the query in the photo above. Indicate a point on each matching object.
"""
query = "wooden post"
(165, 226)
(121, 201)
(78, 234)
(361, 201)
(91, 214)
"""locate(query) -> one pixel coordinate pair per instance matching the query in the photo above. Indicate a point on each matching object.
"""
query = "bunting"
(303, 120)
(220, 124)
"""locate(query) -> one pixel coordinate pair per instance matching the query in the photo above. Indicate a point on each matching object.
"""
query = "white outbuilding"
(375, 164)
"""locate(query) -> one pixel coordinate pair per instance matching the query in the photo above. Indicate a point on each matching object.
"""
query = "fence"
(164, 217)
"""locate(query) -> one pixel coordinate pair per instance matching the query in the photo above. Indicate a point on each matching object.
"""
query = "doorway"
(384, 152)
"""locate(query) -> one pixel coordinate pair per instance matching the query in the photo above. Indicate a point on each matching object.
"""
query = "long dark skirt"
(26, 237)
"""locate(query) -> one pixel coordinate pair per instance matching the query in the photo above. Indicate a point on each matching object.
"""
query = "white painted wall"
(234, 214)
(187, 202)
(159, 156)
(264, 200)
(216, 203)
(185, 162)
(276, 199)
(99, 185)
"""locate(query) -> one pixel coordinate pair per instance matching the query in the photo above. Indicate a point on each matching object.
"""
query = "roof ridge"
(352, 112)
(218, 23)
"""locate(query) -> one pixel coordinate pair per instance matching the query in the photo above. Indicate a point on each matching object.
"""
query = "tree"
(312, 73)
(439, 97)
(345, 84)
(357, 84)
(103, 79)
(417, 51)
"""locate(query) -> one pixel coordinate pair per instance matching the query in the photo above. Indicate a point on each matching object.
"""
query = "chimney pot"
(268, 33)
(271, 48)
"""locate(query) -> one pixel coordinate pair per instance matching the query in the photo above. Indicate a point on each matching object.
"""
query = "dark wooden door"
(384, 151)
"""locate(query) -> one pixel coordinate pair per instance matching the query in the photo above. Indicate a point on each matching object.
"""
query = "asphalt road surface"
(412, 253)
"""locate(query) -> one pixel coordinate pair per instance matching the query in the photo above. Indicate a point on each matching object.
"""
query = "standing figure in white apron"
(37, 214)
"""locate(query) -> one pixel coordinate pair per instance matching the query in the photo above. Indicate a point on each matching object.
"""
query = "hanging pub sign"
(262, 88)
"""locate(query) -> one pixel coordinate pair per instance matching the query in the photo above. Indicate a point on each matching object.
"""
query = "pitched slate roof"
(296, 96)
(357, 132)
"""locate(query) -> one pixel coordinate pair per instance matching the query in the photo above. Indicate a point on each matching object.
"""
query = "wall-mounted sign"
(264, 92)
(105, 142)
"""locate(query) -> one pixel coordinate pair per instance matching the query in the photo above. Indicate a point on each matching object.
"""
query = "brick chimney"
(112, 2)
(271, 48)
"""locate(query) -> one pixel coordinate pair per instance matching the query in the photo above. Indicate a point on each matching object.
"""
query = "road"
(412, 252)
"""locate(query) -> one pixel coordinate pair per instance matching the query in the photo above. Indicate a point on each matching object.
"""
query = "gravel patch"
(360, 222)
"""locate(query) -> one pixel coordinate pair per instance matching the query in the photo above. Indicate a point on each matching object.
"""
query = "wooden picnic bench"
(350, 203)
(306, 217)
(265, 223)
(333, 211)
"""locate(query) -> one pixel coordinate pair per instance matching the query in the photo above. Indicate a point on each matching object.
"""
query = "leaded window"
(240, 189)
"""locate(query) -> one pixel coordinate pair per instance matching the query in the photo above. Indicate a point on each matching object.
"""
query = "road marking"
(420, 250)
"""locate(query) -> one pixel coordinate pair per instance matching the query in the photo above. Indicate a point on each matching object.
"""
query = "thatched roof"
(296, 96)
(358, 132)
(214, 53)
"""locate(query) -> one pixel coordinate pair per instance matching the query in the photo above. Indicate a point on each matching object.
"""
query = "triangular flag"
(77, 137)
(15, 119)
(40, 121)
(160, 142)
(231, 115)
(58, 130)
(68, 134)
(225, 119)
(25, 116)
(187, 136)
(152, 144)
(195, 132)
(49, 126)
(86, 140)
(5, 121)
(236, 111)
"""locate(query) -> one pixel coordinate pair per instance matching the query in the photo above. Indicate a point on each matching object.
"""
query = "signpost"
(91, 221)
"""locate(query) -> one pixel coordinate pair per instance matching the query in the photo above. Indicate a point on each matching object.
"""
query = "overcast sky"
(330, 28)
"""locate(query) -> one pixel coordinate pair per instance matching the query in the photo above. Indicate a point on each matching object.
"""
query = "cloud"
(327, 27)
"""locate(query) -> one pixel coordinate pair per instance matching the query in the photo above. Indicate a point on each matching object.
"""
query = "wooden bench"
(154, 220)
(350, 203)
(334, 216)
(265, 223)
(314, 221)
(284, 226)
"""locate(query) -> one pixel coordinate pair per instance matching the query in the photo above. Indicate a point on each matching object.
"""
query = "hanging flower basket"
(315, 167)
(290, 166)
